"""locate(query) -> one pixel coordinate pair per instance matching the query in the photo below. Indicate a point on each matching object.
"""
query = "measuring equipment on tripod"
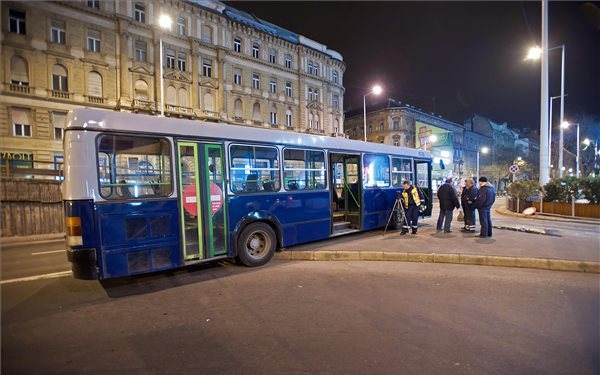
(398, 209)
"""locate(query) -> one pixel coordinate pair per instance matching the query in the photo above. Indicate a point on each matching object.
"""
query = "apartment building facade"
(218, 64)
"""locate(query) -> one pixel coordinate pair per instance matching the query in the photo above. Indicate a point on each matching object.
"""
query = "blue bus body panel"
(138, 237)
(378, 206)
(83, 209)
(301, 216)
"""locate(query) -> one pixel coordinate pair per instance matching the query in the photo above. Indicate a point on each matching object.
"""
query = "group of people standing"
(471, 199)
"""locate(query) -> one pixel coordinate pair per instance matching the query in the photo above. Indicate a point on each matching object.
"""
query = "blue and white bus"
(145, 193)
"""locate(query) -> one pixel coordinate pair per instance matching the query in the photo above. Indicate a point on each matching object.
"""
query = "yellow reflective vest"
(415, 196)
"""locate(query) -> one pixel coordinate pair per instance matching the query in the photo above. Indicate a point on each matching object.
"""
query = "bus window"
(254, 169)
(303, 169)
(133, 167)
(401, 171)
(376, 171)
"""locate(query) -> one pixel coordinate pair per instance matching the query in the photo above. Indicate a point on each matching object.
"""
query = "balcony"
(315, 131)
(143, 105)
(257, 123)
(95, 99)
(60, 94)
(180, 111)
(238, 119)
(21, 89)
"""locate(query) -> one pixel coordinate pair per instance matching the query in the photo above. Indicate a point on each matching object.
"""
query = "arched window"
(336, 126)
(316, 121)
(171, 95)
(310, 120)
(256, 116)
(141, 90)
(19, 73)
(59, 78)
(238, 108)
(182, 97)
(94, 84)
(288, 118)
(208, 102)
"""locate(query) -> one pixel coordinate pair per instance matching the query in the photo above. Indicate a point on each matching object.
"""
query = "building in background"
(454, 148)
(219, 64)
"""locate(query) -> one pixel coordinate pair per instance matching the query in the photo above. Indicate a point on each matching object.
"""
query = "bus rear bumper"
(83, 263)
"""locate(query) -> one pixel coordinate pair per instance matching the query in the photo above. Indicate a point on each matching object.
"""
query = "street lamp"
(376, 90)
(165, 23)
(565, 125)
(535, 53)
(483, 150)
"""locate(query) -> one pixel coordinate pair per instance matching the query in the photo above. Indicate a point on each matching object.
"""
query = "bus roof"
(106, 120)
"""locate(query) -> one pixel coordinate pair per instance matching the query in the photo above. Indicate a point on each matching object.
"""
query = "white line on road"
(48, 252)
(37, 277)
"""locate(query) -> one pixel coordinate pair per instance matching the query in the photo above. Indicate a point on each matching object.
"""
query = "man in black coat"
(448, 201)
(467, 201)
(485, 199)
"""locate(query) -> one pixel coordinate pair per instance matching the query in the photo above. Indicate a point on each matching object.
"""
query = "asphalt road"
(307, 318)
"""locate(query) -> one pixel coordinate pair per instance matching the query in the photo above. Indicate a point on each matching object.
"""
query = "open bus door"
(346, 193)
(202, 200)
(423, 183)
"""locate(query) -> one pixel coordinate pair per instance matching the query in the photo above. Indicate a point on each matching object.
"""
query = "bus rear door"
(202, 201)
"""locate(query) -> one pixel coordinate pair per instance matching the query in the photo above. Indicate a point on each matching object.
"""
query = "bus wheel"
(256, 244)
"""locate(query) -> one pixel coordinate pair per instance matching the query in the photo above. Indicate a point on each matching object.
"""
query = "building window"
(288, 89)
(57, 32)
(310, 120)
(255, 50)
(59, 78)
(316, 69)
(19, 72)
(141, 90)
(272, 56)
(181, 61)
(310, 67)
(316, 121)
(396, 124)
(95, 4)
(181, 25)
(288, 61)
(336, 102)
(310, 94)
(288, 118)
(256, 116)
(381, 127)
(140, 51)
(139, 13)
(95, 85)
(93, 41)
(335, 76)
(207, 68)
(16, 21)
(273, 86)
(237, 76)
(370, 129)
(237, 44)
(20, 120)
(170, 59)
(59, 119)
(273, 118)
(206, 34)
(255, 81)
(316, 95)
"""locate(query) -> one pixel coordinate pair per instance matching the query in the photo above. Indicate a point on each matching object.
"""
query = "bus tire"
(256, 244)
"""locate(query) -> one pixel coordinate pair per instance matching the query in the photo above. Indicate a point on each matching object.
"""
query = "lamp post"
(483, 150)
(165, 23)
(565, 125)
(550, 135)
(376, 90)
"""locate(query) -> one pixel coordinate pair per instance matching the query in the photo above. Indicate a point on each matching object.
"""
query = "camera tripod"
(399, 211)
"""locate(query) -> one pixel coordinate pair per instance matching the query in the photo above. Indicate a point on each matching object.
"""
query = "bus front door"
(346, 190)
(202, 200)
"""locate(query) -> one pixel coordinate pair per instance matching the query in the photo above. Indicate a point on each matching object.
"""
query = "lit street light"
(376, 90)
(165, 23)
(483, 150)
(535, 53)
(566, 125)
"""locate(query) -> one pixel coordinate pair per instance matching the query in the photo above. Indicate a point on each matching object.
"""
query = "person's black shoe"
(403, 233)
(447, 231)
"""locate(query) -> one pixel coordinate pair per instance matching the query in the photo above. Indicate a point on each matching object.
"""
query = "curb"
(469, 259)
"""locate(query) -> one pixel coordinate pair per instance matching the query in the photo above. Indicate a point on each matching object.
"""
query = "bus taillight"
(73, 225)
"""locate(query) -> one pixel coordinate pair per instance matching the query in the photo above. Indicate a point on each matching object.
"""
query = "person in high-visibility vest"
(411, 200)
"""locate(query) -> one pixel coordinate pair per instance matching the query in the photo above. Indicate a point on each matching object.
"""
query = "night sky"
(454, 58)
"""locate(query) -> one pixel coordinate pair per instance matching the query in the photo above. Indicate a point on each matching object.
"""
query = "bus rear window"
(133, 167)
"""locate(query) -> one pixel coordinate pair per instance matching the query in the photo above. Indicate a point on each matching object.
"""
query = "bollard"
(573, 205)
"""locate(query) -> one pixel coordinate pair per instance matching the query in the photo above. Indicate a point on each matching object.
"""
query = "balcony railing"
(95, 99)
(180, 110)
(257, 123)
(315, 131)
(144, 105)
(22, 89)
(60, 94)
(238, 119)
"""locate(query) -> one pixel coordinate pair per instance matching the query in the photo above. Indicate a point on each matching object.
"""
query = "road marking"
(48, 252)
(37, 277)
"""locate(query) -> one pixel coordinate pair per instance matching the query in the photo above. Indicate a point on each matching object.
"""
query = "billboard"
(440, 143)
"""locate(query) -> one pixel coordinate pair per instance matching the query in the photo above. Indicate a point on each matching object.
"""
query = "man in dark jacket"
(467, 201)
(486, 196)
(448, 201)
